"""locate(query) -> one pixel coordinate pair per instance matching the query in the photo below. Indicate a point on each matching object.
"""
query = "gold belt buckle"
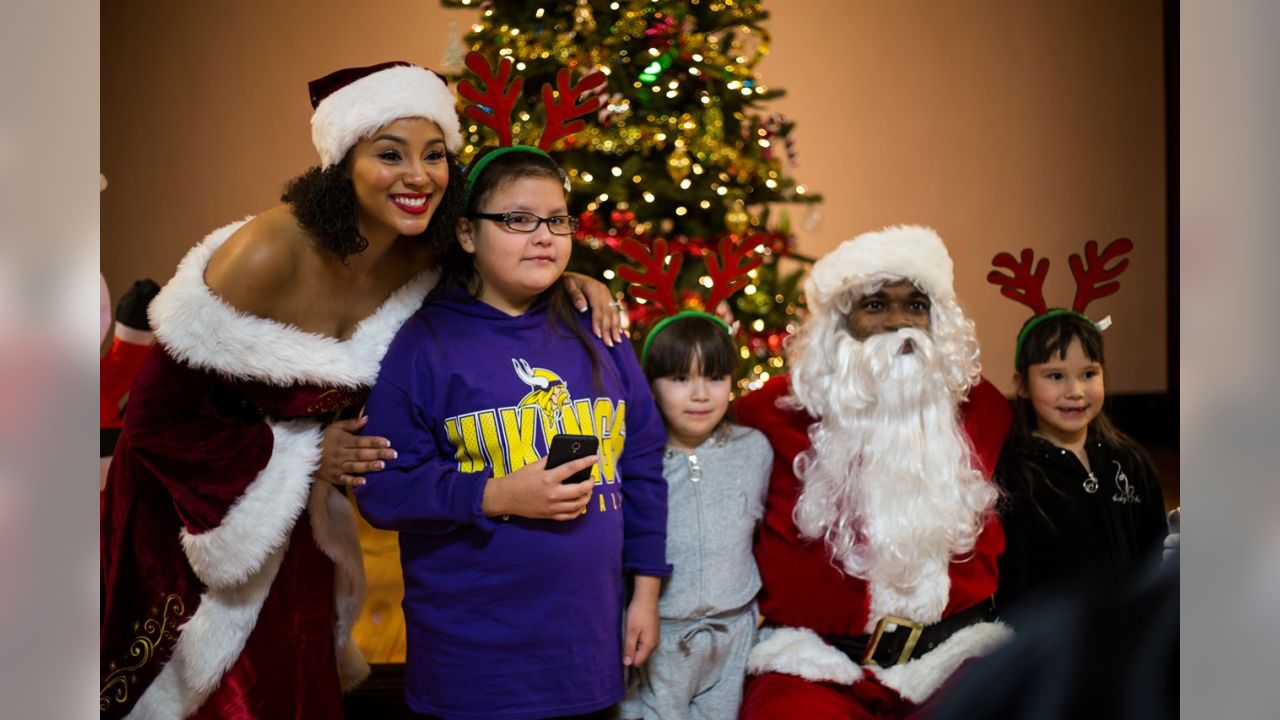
(916, 629)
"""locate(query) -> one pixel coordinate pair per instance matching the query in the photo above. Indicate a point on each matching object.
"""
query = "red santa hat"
(902, 251)
(350, 104)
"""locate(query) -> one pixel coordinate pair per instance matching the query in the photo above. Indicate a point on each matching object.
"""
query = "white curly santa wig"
(860, 267)
(889, 481)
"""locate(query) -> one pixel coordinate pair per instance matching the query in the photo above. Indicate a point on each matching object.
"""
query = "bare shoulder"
(258, 263)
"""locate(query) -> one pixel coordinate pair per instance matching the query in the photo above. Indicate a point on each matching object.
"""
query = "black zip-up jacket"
(1065, 525)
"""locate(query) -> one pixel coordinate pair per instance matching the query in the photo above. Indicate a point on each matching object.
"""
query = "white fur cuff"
(918, 679)
(262, 518)
(801, 652)
(209, 643)
(133, 336)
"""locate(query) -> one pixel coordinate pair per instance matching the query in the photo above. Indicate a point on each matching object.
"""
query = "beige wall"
(1001, 123)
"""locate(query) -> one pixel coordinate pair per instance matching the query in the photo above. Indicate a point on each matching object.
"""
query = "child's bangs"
(1050, 340)
(688, 344)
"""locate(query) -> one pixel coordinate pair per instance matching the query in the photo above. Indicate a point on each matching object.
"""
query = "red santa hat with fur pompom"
(350, 104)
(910, 252)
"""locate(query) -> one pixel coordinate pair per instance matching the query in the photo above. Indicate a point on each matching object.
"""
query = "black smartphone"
(566, 448)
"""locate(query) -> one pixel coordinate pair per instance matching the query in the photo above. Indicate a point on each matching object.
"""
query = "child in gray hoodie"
(717, 473)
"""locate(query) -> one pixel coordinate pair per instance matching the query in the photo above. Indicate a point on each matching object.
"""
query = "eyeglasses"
(528, 222)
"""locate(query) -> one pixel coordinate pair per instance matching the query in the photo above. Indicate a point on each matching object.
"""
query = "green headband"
(1026, 330)
(479, 166)
(644, 351)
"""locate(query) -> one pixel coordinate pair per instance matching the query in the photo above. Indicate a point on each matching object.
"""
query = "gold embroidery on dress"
(115, 687)
(334, 401)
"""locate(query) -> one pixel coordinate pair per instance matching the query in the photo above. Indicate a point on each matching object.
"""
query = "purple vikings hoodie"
(509, 617)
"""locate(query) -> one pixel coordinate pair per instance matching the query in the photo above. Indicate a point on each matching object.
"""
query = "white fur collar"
(202, 330)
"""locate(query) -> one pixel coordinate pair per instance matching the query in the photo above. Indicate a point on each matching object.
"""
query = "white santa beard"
(888, 481)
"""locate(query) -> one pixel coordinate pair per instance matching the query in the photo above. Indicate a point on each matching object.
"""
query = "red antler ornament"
(493, 104)
(729, 271)
(1093, 279)
(568, 102)
(1023, 284)
(655, 281)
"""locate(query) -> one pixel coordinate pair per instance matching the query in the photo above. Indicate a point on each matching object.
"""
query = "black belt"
(909, 640)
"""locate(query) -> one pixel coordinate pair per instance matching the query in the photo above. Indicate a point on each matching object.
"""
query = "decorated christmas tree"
(676, 166)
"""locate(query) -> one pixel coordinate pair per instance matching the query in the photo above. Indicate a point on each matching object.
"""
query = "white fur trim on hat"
(902, 251)
(355, 111)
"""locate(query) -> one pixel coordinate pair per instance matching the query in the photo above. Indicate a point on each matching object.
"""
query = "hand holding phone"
(566, 448)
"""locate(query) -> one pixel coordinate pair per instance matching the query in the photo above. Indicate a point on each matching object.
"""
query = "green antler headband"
(658, 327)
(478, 166)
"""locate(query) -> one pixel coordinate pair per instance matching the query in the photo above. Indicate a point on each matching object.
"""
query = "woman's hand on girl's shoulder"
(256, 262)
(606, 313)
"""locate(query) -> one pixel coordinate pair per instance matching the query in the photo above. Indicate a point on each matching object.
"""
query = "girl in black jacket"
(1081, 503)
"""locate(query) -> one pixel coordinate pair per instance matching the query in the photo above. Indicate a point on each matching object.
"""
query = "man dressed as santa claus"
(879, 543)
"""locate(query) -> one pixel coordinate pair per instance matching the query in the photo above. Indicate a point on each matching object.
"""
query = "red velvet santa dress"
(230, 580)
(793, 672)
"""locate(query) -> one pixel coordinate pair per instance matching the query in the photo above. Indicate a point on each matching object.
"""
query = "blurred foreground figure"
(1102, 654)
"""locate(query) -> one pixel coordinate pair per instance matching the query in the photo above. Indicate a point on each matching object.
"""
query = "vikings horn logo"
(546, 391)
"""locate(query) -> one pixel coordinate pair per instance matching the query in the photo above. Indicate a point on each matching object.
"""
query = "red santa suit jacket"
(806, 596)
(230, 581)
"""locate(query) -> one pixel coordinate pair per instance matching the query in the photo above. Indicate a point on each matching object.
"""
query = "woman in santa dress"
(230, 565)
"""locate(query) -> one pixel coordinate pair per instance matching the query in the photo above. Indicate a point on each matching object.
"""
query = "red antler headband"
(1094, 280)
(493, 102)
(655, 279)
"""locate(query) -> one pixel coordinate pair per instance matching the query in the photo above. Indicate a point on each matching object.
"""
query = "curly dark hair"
(324, 201)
